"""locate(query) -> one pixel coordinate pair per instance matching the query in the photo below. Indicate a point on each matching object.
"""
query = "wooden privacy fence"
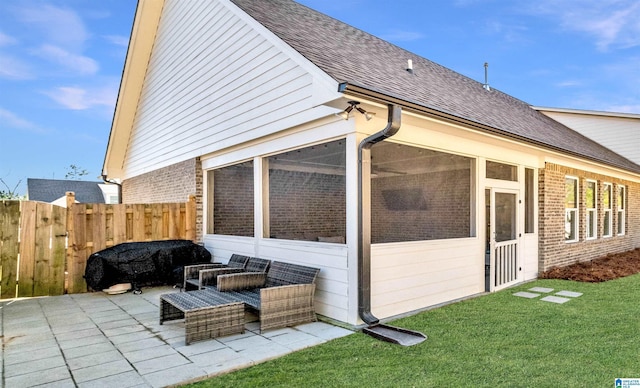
(44, 248)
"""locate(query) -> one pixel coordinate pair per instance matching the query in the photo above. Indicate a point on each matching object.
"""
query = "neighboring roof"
(362, 61)
(588, 112)
(614, 130)
(48, 190)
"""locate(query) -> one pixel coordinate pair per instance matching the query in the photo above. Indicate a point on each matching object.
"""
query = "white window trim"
(591, 214)
(574, 210)
(607, 187)
(621, 218)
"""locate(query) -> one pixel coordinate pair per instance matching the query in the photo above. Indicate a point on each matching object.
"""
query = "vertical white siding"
(213, 81)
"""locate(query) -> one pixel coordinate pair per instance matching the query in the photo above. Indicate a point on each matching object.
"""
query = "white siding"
(619, 134)
(529, 251)
(215, 80)
(412, 276)
(332, 283)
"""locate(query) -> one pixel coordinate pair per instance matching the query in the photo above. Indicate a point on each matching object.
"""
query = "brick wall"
(173, 183)
(553, 249)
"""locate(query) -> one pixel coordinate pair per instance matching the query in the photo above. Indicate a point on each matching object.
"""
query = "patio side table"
(205, 314)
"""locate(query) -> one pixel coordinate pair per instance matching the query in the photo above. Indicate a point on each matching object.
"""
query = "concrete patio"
(100, 340)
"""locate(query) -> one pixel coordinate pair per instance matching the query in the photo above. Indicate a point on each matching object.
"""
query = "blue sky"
(61, 63)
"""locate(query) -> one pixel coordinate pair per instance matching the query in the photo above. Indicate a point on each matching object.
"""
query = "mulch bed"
(610, 267)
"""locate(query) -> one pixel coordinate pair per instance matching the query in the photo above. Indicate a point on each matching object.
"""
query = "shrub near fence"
(44, 248)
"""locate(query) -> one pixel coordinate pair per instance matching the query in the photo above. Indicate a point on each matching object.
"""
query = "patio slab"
(543, 290)
(528, 295)
(570, 294)
(100, 340)
(555, 299)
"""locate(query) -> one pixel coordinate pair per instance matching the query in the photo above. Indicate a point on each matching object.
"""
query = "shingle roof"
(48, 190)
(352, 56)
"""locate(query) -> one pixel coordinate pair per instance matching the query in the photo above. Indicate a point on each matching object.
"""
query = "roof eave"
(143, 32)
(412, 106)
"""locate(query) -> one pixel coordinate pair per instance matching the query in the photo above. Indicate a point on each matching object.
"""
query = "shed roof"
(354, 57)
(48, 190)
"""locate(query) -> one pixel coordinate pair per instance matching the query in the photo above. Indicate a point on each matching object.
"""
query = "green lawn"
(497, 340)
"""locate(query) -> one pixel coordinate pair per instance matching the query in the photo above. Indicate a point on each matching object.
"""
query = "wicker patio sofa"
(208, 277)
(283, 296)
(192, 272)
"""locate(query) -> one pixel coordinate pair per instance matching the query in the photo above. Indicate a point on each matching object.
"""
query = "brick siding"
(173, 183)
(553, 249)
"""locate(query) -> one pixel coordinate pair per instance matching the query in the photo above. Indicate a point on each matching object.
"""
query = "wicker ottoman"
(205, 315)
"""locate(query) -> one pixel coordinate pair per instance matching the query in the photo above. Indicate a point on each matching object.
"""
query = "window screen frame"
(571, 213)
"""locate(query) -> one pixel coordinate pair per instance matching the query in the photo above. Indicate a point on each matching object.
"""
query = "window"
(592, 214)
(230, 201)
(571, 209)
(505, 172)
(529, 200)
(419, 194)
(621, 207)
(307, 194)
(606, 205)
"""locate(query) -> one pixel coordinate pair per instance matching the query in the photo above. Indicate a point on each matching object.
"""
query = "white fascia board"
(587, 112)
(141, 44)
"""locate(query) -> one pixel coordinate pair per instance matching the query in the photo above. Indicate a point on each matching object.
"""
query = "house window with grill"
(621, 208)
(571, 209)
(607, 210)
(592, 214)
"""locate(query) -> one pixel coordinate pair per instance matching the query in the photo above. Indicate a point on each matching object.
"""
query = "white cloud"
(624, 108)
(78, 98)
(568, 83)
(402, 36)
(6, 40)
(509, 32)
(14, 69)
(12, 120)
(612, 23)
(62, 27)
(117, 40)
(74, 62)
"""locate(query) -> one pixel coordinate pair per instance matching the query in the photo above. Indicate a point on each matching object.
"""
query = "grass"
(497, 340)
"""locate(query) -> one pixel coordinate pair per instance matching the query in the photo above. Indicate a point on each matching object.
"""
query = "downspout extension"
(364, 231)
(106, 180)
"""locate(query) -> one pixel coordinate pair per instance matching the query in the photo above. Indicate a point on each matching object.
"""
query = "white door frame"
(505, 264)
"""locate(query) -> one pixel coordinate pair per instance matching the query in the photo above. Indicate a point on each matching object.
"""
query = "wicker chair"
(192, 272)
(208, 277)
(283, 296)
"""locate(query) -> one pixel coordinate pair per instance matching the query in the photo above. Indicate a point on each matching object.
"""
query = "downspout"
(106, 180)
(364, 226)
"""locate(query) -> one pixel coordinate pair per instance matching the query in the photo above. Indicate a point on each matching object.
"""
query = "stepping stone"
(528, 295)
(570, 294)
(541, 289)
(555, 299)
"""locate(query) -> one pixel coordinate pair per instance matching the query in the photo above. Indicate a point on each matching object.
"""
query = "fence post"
(9, 227)
(71, 199)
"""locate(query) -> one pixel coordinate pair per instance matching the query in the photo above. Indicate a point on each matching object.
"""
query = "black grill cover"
(150, 263)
